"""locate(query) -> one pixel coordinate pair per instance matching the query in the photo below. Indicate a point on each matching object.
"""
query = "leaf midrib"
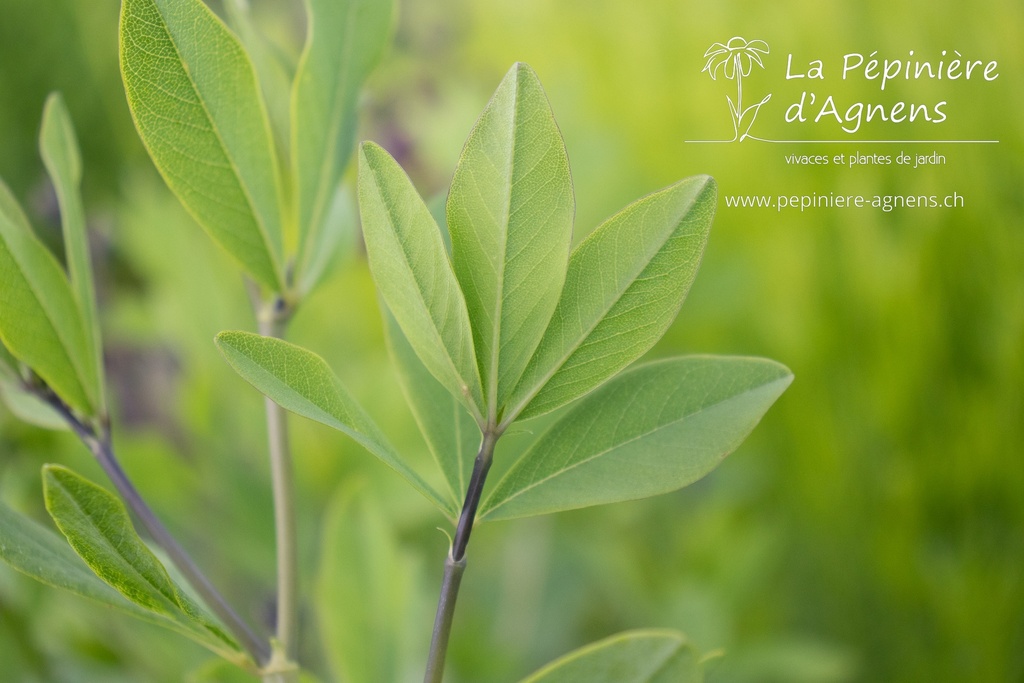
(488, 510)
(406, 259)
(49, 317)
(74, 501)
(496, 323)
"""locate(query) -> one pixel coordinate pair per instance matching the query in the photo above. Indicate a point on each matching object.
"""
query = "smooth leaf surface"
(193, 93)
(10, 367)
(624, 287)
(40, 322)
(275, 68)
(329, 246)
(652, 430)
(510, 212)
(97, 526)
(301, 381)
(452, 435)
(28, 407)
(368, 607)
(344, 41)
(648, 656)
(413, 274)
(59, 149)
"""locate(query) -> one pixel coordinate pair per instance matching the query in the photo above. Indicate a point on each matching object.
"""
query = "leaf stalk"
(455, 563)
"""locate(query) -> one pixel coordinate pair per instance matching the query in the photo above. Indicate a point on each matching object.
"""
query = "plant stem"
(102, 448)
(455, 563)
(273, 320)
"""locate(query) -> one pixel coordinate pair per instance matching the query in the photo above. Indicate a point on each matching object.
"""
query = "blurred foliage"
(870, 529)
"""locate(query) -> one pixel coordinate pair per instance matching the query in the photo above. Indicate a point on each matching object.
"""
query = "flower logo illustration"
(736, 59)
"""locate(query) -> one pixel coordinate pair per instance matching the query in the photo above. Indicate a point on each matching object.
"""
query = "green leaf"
(368, 607)
(10, 367)
(414, 276)
(647, 656)
(345, 39)
(59, 149)
(625, 285)
(301, 381)
(510, 213)
(46, 557)
(275, 68)
(335, 239)
(40, 322)
(97, 526)
(193, 94)
(652, 430)
(28, 407)
(452, 435)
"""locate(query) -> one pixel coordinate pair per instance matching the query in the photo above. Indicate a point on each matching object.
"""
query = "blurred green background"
(872, 528)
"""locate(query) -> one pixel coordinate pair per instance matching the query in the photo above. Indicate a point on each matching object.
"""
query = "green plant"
(509, 327)
(504, 326)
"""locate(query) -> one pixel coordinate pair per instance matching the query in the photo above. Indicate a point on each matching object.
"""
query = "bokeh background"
(871, 529)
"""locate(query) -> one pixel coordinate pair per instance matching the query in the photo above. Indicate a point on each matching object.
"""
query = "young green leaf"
(510, 214)
(59, 149)
(452, 435)
(40, 322)
(652, 430)
(193, 94)
(97, 526)
(301, 381)
(625, 285)
(649, 656)
(368, 605)
(345, 38)
(414, 276)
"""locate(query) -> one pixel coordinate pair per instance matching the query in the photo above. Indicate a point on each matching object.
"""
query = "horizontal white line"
(860, 142)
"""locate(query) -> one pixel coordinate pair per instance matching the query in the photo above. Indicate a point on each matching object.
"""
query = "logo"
(736, 59)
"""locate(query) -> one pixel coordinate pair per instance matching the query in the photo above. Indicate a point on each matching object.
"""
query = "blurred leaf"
(97, 526)
(654, 429)
(38, 552)
(651, 656)
(40, 323)
(345, 38)
(193, 94)
(452, 435)
(625, 285)
(301, 381)
(335, 238)
(59, 149)
(366, 597)
(10, 369)
(219, 671)
(510, 213)
(414, 276)
(28, 407)
(274, 68)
